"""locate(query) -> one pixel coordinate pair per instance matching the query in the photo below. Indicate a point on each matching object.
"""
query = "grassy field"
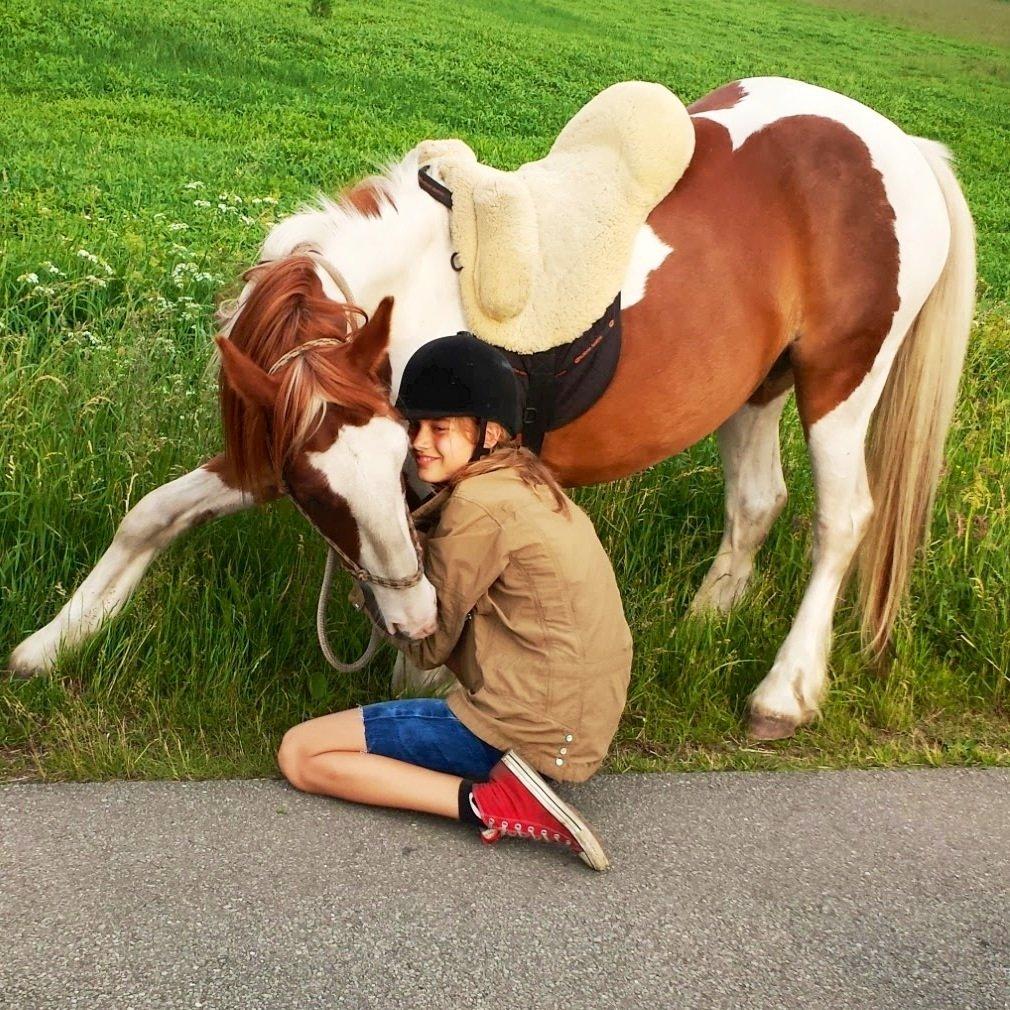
(145, 151)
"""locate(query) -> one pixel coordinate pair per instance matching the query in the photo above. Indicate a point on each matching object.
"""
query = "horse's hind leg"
(791, 693)
(755, 495)
(837, 391)
(147, 529)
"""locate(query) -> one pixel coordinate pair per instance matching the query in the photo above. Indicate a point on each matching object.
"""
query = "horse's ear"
(370, 345)
(251, 383)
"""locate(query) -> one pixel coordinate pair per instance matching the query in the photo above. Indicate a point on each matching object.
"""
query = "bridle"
(335, 553)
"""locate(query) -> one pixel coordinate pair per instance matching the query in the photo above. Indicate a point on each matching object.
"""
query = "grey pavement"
(822, 889)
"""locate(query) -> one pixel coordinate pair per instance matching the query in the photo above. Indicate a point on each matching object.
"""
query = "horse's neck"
(403, 252)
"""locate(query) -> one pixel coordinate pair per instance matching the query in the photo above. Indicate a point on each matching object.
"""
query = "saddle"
(542, 251)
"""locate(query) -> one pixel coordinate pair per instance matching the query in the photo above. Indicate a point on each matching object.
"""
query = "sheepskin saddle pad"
(542, 251)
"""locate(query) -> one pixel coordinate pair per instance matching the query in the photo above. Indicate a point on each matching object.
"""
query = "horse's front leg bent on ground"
(147, 529)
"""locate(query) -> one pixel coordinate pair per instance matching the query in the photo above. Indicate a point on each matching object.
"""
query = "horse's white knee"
(142, 524)
(162, 514)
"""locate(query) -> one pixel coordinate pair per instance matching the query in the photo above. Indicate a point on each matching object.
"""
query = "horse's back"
(800, 208)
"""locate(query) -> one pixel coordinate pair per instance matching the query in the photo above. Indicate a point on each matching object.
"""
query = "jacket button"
(564, 750)
(569, 738)
(559, 761)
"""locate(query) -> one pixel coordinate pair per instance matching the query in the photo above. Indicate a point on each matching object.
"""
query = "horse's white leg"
(755, 495)
(791, 693)
(147, 529)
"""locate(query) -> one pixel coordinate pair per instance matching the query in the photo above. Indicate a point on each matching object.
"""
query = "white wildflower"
(195, 184)
(29, 279)
(97, 281)
(201, 203)
(53, 268)
(85, 255)
(246, 219)
(178, 226)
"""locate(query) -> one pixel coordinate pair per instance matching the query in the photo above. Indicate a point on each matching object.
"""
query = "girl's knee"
(339, 731)
(292, 756)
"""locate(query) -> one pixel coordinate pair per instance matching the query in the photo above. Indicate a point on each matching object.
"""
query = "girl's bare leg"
(327, 756)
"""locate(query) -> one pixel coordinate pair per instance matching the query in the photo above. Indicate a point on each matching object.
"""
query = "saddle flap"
(508, 246)
(493, 225)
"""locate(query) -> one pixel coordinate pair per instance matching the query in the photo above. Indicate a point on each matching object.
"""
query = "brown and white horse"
(811, 245)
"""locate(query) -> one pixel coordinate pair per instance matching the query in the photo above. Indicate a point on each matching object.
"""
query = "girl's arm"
(463, 557)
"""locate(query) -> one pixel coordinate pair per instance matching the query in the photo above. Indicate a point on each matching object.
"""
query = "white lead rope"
(374, 640)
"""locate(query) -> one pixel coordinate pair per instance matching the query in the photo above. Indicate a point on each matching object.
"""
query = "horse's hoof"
(21, 672)
(22, 667)
(770, 727)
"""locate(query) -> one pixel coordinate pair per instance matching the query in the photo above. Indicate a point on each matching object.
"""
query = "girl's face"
(443, 445)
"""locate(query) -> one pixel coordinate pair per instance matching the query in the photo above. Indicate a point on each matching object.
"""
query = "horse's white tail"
(905, 450)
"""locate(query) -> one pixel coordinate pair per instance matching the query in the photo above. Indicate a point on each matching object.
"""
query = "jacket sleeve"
(464, 555)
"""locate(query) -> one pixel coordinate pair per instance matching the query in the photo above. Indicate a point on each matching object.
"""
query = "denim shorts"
(423, 731)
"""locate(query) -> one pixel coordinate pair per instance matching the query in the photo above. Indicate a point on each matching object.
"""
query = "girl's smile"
(444, 445)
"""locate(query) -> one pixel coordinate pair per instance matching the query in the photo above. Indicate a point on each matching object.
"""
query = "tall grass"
(144, 153)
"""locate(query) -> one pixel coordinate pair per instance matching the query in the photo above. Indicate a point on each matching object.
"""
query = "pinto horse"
(811, 245)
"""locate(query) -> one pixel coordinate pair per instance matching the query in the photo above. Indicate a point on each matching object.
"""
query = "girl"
(529, 620)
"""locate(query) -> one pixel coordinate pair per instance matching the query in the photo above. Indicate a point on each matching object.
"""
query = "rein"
(335, 553)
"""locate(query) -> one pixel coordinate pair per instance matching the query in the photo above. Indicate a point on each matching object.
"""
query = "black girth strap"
(561, 383)
(539, 398)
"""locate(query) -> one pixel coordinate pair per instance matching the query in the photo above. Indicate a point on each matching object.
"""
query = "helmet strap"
(479, 451)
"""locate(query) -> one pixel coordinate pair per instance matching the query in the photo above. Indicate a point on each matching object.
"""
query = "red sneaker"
(517, 801)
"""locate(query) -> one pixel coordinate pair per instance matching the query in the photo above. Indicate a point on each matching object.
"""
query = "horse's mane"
(287, 307)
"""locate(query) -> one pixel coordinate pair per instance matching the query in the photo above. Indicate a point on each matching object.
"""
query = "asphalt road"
(833, 889)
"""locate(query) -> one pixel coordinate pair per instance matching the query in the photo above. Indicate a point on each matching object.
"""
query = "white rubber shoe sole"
(592, 853)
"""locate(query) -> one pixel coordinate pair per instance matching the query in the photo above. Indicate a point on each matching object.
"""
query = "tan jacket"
(530, 620)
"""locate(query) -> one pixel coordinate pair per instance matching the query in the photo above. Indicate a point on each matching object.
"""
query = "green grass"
(986, 21)
(117, 117)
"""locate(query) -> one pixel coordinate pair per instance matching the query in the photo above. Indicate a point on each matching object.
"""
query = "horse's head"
(317, 422)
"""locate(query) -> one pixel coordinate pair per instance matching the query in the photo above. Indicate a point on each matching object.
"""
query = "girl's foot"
(517, 801)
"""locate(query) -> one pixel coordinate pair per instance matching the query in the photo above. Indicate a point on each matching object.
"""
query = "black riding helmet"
(462, 376)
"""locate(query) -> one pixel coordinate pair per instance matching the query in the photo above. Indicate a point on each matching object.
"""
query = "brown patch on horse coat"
(722, 98)
(787, 242)
(850, 276)
(364, 198)
(328, 511)
(775, 383)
